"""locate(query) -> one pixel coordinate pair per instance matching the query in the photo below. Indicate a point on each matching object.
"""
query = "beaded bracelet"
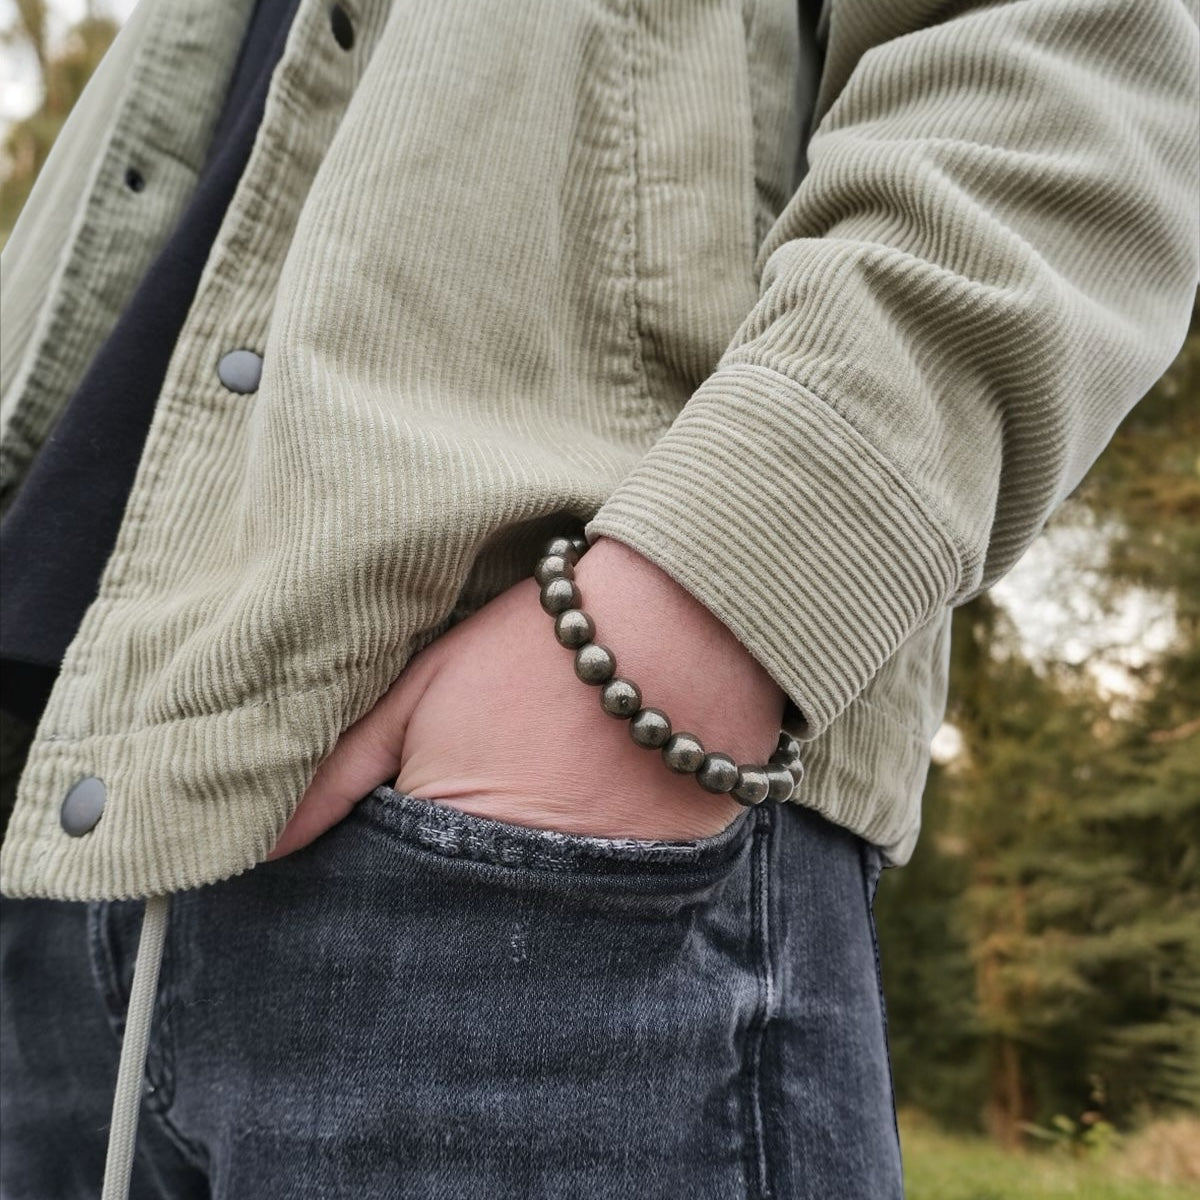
(650, 727)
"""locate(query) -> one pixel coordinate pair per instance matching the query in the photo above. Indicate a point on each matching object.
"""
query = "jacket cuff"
(794, 531)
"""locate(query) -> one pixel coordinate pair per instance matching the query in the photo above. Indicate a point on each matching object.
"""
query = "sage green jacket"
(823, 312)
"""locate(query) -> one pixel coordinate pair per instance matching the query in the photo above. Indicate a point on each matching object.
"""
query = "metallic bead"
(620, 697)
(558, 595)
(797, 770)
(718, 773)
(553, 566)
(787, 751)
(650, 727)
(780, 784)
(561, 547)
(573, 627)
(752, 785)
(683, 753)
(581, 545)
(595, 663)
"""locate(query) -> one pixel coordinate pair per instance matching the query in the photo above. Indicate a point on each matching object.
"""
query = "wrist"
(680, 655)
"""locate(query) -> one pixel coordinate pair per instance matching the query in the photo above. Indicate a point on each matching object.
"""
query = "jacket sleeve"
(991, 259)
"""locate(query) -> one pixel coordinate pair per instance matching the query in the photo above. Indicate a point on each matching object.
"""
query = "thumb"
(366, 754)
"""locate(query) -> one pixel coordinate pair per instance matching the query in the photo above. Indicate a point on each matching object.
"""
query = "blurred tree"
(1064, 842)
(63, 72)
(1081, 906)
(1146, 489)
(935, 1036)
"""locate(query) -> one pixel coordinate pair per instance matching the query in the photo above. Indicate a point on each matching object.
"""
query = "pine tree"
(1059, 860)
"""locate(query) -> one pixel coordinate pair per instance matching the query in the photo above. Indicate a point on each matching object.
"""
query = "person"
(796, 321)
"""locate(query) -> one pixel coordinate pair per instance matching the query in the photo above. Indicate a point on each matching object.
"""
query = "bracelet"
(650, 728)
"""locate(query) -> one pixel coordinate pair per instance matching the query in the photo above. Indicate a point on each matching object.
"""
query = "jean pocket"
(442, 834)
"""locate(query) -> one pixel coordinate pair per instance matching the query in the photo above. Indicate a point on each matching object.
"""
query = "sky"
(1053, 596)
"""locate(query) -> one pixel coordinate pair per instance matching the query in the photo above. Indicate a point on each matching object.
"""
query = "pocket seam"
(873, 868)
(454, 835)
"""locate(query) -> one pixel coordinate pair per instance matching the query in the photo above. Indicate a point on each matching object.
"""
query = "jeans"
(429, 1004)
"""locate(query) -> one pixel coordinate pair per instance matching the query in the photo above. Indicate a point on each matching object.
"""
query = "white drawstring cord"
(122, 1131)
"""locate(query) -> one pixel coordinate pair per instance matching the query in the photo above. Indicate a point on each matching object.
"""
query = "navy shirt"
(61, 528)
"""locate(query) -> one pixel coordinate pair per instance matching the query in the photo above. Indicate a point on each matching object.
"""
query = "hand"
(491, 719)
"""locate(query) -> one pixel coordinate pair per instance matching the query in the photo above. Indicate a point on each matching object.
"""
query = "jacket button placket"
(243, 284)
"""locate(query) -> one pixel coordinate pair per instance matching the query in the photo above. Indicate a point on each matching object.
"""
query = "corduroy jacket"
(822, 308)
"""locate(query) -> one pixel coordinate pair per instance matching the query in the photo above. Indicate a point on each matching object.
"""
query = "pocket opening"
(447, 831)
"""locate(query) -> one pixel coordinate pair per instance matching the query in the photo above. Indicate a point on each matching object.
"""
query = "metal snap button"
(82, 806)
(240, 370)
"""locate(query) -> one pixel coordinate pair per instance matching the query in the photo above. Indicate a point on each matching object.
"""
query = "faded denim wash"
(429, 1004)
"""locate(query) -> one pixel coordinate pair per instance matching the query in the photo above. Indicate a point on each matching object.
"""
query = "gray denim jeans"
(429, 1004)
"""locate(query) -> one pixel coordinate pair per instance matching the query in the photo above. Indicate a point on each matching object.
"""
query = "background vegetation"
(1042, 950)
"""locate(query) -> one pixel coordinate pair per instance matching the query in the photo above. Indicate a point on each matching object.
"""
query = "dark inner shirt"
(62, 526)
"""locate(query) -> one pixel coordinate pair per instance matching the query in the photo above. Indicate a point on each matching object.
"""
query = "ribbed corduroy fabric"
(518, 265)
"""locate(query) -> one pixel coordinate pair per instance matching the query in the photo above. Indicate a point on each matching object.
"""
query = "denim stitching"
(872, 862)
(159, 1061)
(453, 834)
(104, 967)
(160, 1066)
(758, 1185)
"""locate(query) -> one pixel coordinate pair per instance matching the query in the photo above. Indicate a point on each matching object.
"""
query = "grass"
(940, 1166)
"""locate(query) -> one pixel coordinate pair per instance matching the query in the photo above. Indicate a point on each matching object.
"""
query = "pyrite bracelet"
(650, 728)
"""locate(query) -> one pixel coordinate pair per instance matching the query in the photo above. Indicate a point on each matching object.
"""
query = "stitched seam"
(104, 967)
(160, 1062)
(444, 831)
(758, 223)
(160, 1066)
(757, 1177)
(635, 331)
(932, 514)
(873, 871)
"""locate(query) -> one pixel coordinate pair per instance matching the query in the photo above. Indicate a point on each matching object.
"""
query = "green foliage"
(1089, 1137)
(1041, 952)
(940, 1167)
(934, 1034)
